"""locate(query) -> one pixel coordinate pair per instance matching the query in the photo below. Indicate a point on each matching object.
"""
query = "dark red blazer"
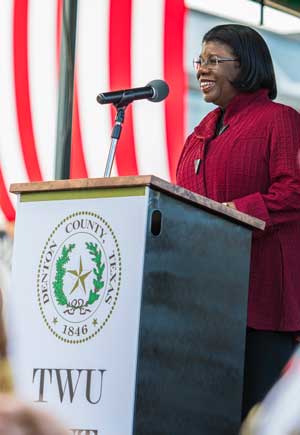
(255, 163)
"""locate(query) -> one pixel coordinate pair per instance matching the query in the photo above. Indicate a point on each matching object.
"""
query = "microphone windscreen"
(161, 90)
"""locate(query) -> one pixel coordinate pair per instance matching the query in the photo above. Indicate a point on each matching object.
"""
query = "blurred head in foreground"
(6, 377)
(18, 418)
(279, 412)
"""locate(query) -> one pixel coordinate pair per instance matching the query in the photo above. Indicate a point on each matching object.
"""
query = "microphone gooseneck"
(155, 91)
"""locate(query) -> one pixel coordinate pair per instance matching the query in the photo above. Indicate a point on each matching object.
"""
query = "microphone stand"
(116, 131)
(121, 99)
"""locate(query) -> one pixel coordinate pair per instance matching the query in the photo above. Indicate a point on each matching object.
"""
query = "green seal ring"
(118, 285)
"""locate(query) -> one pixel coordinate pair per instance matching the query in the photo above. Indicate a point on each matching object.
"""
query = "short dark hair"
(256, 66)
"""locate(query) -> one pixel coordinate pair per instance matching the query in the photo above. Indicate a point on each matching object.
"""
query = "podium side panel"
(193, 320)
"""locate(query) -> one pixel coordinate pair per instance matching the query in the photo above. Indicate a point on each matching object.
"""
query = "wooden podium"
(130, 305)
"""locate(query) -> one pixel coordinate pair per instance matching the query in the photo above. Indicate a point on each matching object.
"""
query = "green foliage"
(98, 270)
(58, 283)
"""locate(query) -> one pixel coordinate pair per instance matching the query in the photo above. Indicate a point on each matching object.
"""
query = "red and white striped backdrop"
(120, 44)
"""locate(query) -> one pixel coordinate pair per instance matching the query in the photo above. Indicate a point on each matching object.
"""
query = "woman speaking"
(245, 153)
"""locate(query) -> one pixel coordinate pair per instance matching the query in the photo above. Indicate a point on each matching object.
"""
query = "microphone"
(155, 91)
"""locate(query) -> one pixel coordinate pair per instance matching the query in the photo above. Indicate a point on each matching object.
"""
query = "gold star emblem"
(81, 277)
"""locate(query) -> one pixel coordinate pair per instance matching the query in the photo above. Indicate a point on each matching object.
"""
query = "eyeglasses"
(211, 62)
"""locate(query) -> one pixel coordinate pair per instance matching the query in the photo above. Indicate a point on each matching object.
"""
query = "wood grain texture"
(143, 180)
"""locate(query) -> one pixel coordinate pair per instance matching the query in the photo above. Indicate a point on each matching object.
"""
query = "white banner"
(77, 279)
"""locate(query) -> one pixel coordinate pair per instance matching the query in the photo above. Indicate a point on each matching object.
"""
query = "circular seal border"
(118, 254)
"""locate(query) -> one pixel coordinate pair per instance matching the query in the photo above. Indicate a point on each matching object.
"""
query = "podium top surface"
(140, 181)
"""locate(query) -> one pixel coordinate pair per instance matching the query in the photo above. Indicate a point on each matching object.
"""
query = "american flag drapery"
(120, 44)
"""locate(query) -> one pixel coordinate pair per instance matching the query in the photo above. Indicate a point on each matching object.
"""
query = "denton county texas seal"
(79, 277)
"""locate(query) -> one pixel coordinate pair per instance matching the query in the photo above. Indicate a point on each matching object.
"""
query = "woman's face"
(215, 81)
